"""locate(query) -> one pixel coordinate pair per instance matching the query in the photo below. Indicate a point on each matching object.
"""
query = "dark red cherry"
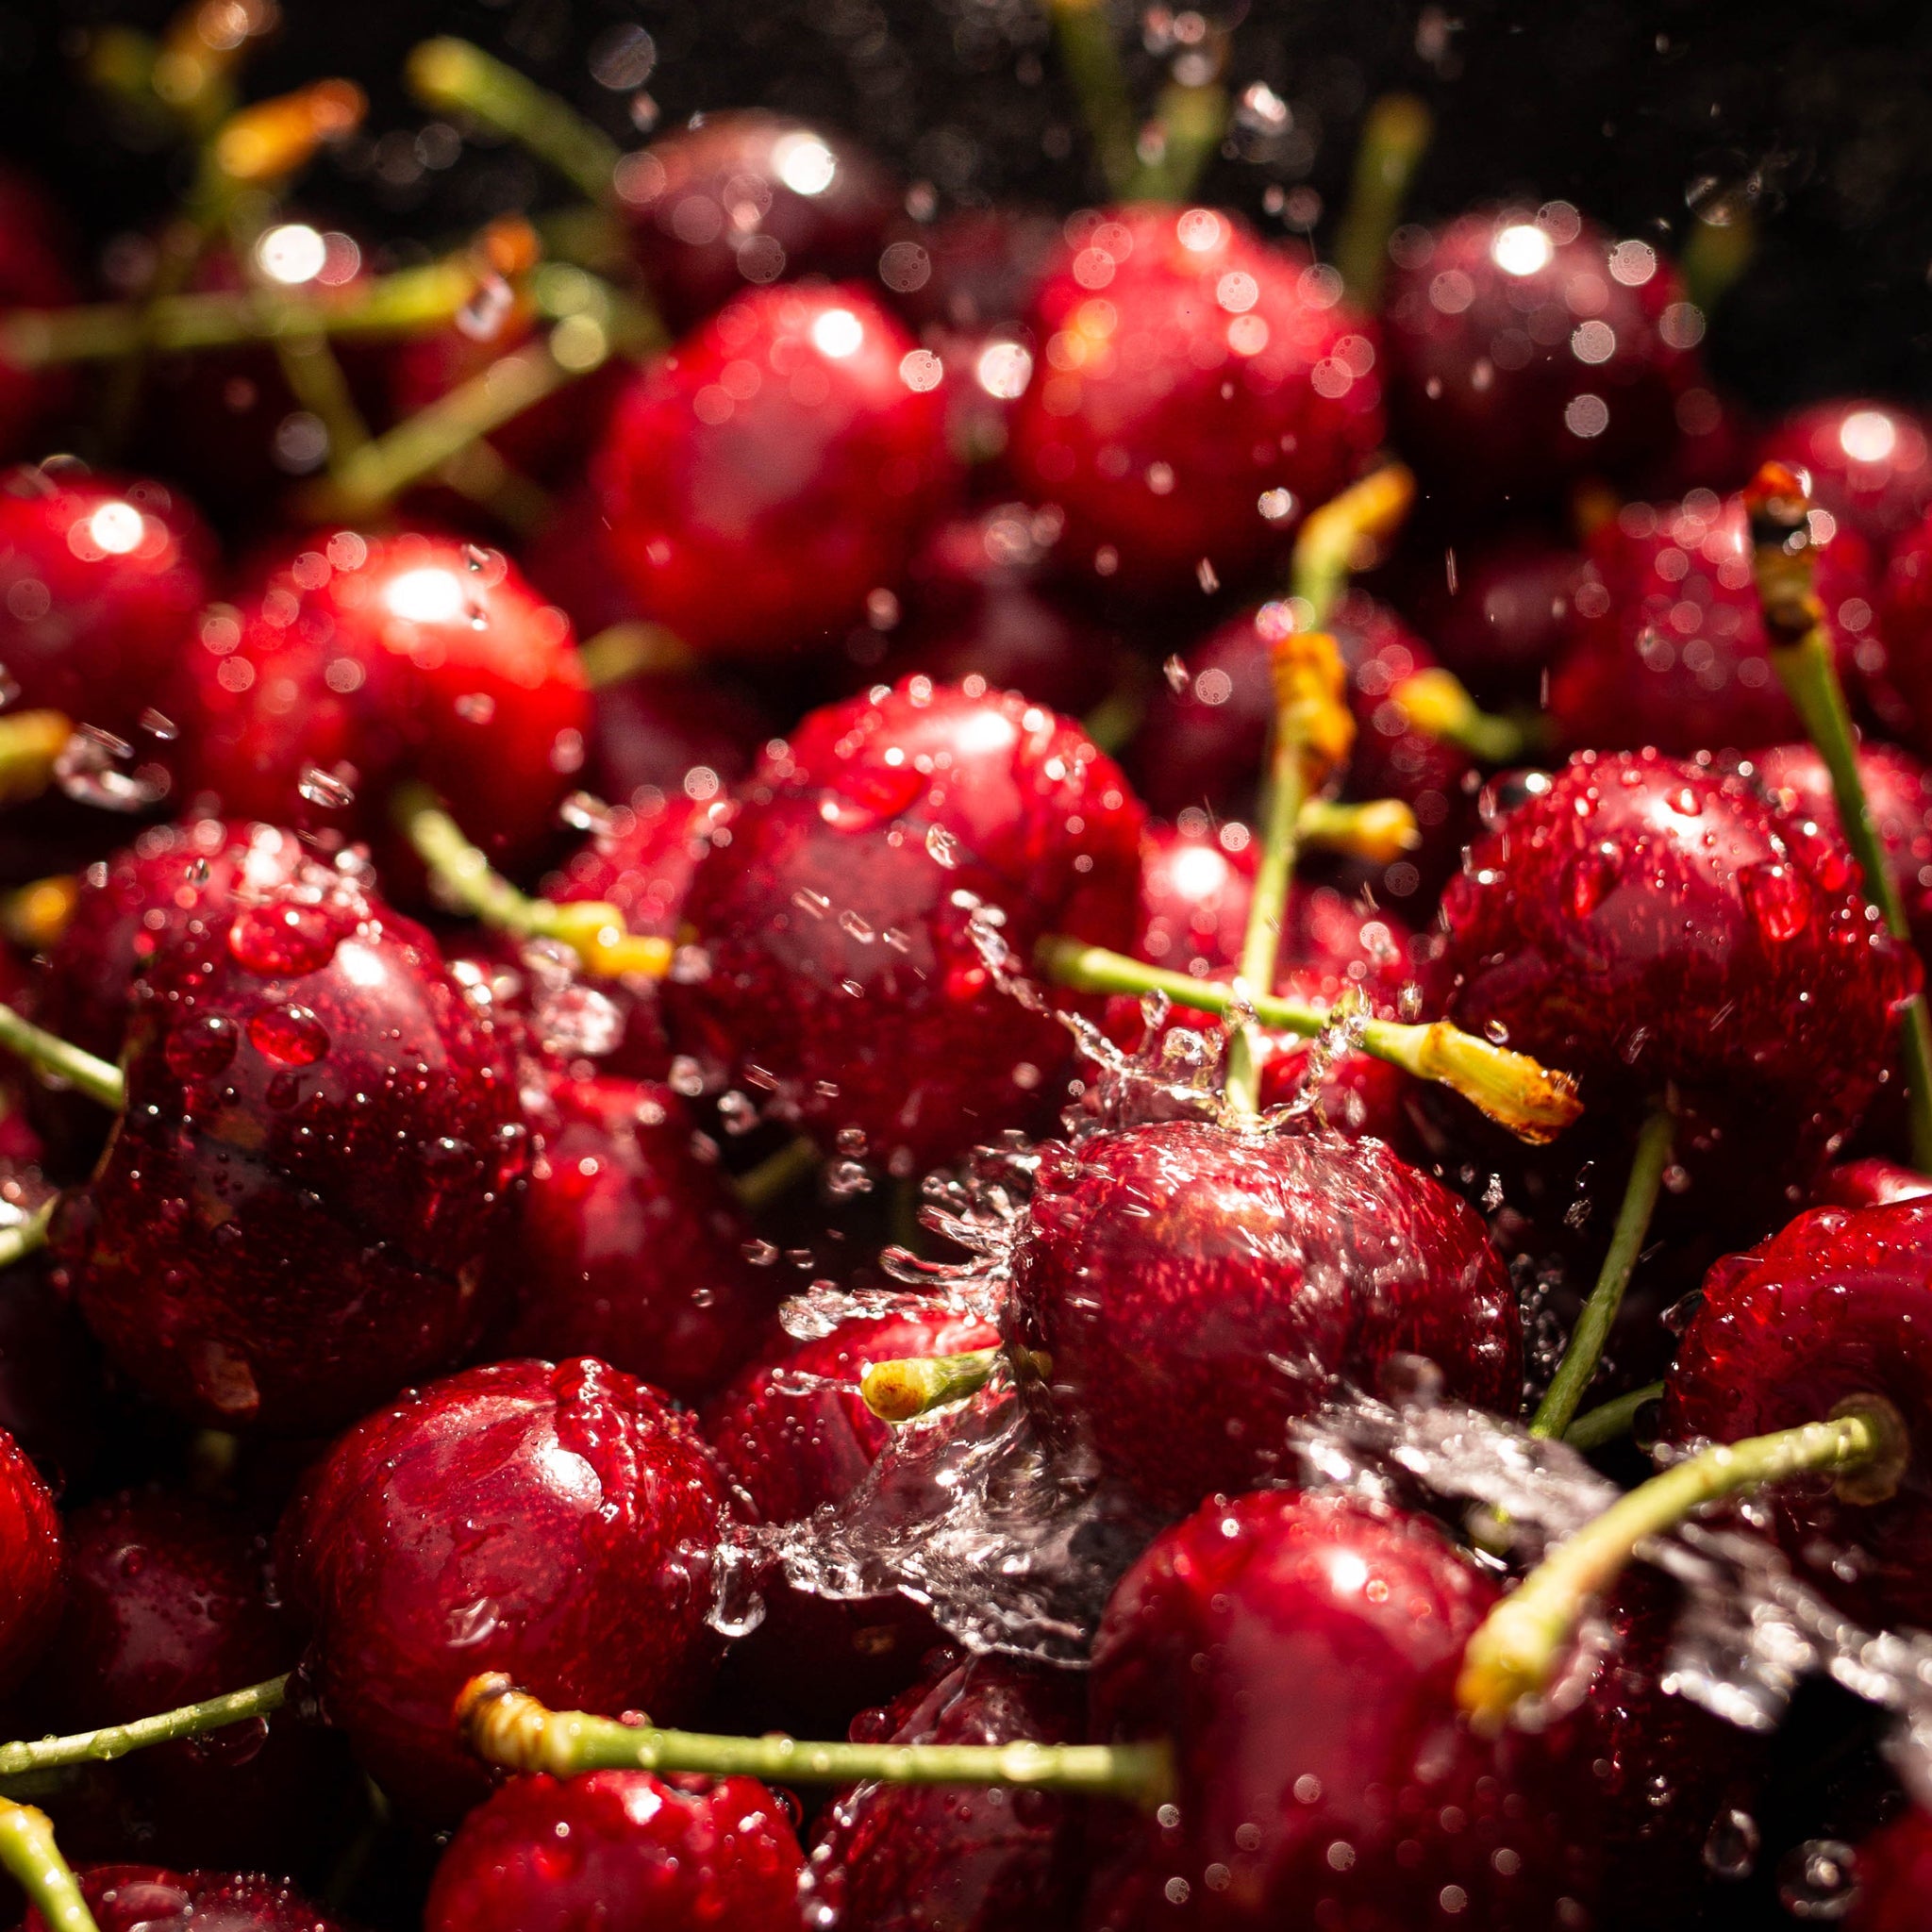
(975, 271)
(1224, 1281)
(620, 1851)
(33, 274)
(837, 969)
(1301, 1653)
(773, 469)
(671, 732)
(165, 1606)
(1838, 1304)
(899, 1859)
(100, 579)
(554, 1522)
(320, 1140)
(630, 1247)
(146, 1898)
(1497, 611)
(31, 1580)
(1194, 392)
(1527, 349)
(1644, 922)
(1869, 1183)
(359, 661)
(795, 1436)
(1666, 644)
(746, 198)
(1904, 700)
(1894, 1877)
(1869, 463)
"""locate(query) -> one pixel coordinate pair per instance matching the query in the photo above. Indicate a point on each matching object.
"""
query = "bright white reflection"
(116, 527)
(429, 595)
(1868, 436)
(1004, 369)
(836, 333)
(804, 163)
(293, 253)
(1521, 249)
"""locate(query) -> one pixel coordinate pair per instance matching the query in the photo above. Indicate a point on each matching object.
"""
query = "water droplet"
(1176, 672)
(1586, 880)
(1779, 905)
(482, 317)
(87, 770)
(583, 811)
(1496, 1032)
(291, 1035)
(1731, 1849)
(941, 847)
(330, 790)
(759, 1253)
(158, 725)
(475, 708)
(845, 1179)
(282, 939)
(202, 1047)
(1818, 1879)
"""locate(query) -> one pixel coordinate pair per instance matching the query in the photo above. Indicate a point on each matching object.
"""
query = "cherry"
(1832, 1306)
(795, 1436)
(1869, 1183)
(33, 274)
(1869, 463)
(1905, 625)
(1667, 646)
(1497, 612)
(165, 1606)
(1524, 350)
(1894, 1874)
(620, 1851)
(671, 732)
(1195, 391)
(773, 469)
(146, 1898)
(902, 1858)
(1302, 1654)
(627, 1246)
(319, 1141)
(100, 579)
(359, 659)
(31, 1580)
(972, 271)
(1224, 1280)
(552, 1521)
(840, 971)
(746, 198)
(1646, 923)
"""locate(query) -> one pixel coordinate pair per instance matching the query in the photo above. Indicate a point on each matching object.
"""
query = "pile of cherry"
(610, 817)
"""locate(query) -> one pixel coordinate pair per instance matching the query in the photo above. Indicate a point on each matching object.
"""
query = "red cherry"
(1869, 463)
(319, 1141)
(1525, 350)
(627, 1246)
(620, 1851)
(972, 271)
(31, 1582)
(839, 972)
(1301, 1651)
(793, 1435)
(1894, 1874)
(1667, 646)
(1194, 392)
(100, 578)
(553, 1523)
(146, 1898)
(1499, 615)
(899, 1859)
(1224, 1280)
(360, 661)
(1645, 922)
(1869, 1183)
(1834, 1304)
(745, 197)
(1906, 624)
(670, 732)
(33, 274)
(773, 469)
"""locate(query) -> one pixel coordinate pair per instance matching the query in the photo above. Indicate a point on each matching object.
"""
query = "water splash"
(89, 768)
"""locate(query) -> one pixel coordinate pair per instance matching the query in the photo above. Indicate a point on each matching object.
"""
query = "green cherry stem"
(909, 1387)
(1577, 1369)
(776, 1175)
(1801, 651)
(1395, 136)
(1610, 1421)
(1519, 1645)
(33, 1860)
(1190, 119)
(27, 1237)
(508, 1729)
(117, 1740)
(58, 1059)
(1093, 62)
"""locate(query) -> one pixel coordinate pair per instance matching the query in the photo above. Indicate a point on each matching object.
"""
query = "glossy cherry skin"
(1524, 350)
(1227, 1280)
(745, 197)
(146, 1898)
(899, 1859)
(1834, 1304)
(31, 1580)
(1869, 1183)
(1894, 1873)
(1667, 646)
(1301, 1653)
(836, 969)
(1869, 463)
(370, 659)
(620, 1851)
(772, 469)
(1641, 922)
(554, 1522)
(33, 274)
(1499, 615)
(319, 1141)
(1194, 392)
(793, 1434)
(630, 1247)
(100, 580)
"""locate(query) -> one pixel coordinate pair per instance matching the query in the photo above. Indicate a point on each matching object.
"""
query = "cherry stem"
(1611, 1421)
(59, 1061)
(27, 1237)
(1521, 1645)
(1714, 256)
(506, 1728)
(1577, 1370)
(1534, 1102)
(776, 1175)
(33, 1860)
(1190, 119)
(1347, 534)
(912, 1386)
(117, 1740)
(591, 928)
(1439, 705)
(629, 650)
(35, 915)
(1378, 829)
(1093, 62)
(1801, 650)
(1394, 137)
(30, 747)
(453, 76)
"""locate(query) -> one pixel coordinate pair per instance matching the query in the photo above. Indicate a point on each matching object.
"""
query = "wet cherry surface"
(1869, 463)
(1894, 1873)
(148, 1898)
(31, 1563)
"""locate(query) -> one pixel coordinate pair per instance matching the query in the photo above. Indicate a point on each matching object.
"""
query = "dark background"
(1820, 115)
